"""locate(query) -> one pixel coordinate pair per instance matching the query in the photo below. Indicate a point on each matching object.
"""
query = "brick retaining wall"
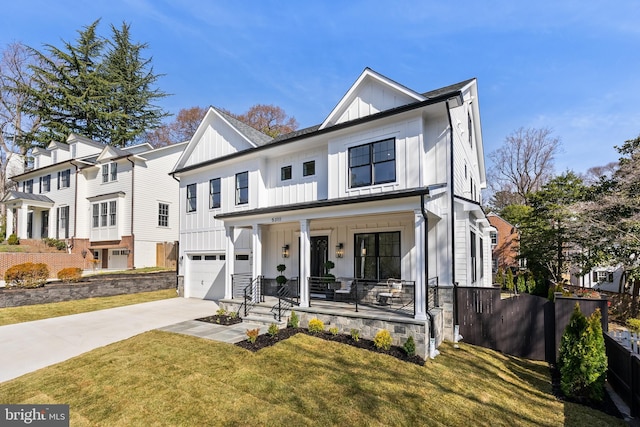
(95, 286)
(55, 261)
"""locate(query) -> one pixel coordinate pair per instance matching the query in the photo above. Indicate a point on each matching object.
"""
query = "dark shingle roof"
(17, 195)
(447, 89)
(252, 134)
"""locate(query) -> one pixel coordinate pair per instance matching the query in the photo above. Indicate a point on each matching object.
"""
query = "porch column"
(22, 222)
(256, 244)
(10, 230)
(421, 259)
(230, 262)
(305, 261)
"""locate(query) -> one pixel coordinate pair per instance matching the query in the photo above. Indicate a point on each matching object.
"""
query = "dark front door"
(44, 231)
(319, 254)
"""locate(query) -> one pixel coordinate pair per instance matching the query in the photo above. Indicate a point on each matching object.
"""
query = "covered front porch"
(28, 215)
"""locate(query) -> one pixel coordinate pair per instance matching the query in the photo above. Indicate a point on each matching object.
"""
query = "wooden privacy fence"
(166, 254)
(522, 325)
(624, 368)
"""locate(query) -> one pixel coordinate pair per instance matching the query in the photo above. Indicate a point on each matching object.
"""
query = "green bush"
(410, 346)
(316, 326)
(13, 240)
(273, 330)
(508, 281)
(583, 358)
(634, 325)
(55, 243)
(333, 331)
(27, 275)
(294, 320)
(521, 283)
(531, 283)
(70, 274)
(382, 339)
(500, 278)
(355, 335)
(221, 312)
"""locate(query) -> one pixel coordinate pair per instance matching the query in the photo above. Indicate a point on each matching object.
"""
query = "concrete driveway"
(26, 347)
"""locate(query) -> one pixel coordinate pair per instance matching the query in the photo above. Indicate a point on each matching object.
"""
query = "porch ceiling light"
(285, 251)
(339, 250)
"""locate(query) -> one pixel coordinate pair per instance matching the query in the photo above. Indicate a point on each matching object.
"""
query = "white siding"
(217, 140)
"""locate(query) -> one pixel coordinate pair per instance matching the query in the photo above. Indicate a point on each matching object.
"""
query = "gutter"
(133, 237)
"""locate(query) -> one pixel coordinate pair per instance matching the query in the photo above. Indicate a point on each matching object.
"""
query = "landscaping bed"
(221, 319)
(267, 340)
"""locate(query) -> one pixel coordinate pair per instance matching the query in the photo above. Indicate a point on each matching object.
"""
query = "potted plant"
(328, 277)
(281, 280)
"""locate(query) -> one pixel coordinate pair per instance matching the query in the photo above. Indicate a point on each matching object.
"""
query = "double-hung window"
(163, 215)
(474, 259)
(96, 215)
(112, 213)
(373, 163)
(191, 198)
(109, 172)
(242, 188)
(45, 184)
(214, 193)
(64, 178)
(27, 186)
(103, 214)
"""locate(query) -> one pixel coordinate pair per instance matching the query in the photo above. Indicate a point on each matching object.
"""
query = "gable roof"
(253, 135)
(19, 195)
(359, 87)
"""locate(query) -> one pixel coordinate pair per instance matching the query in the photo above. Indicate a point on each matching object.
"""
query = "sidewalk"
(29, 346)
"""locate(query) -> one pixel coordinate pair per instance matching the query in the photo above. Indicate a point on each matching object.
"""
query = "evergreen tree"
(508, 283)
(105, 96)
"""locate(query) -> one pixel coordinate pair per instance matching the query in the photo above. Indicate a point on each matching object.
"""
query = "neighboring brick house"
(110, 204)
(505, 243)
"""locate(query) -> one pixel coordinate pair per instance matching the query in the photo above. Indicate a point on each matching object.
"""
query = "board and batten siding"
(299, 188)
(217, 140)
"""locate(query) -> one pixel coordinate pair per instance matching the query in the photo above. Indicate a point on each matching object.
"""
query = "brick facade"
(506, 249)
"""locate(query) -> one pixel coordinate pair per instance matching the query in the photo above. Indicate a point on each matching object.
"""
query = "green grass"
(142, 270)
(12, 248)
(28, 313)
(159, 378)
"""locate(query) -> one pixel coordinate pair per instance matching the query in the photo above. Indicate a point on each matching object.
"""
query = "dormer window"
(373, 163)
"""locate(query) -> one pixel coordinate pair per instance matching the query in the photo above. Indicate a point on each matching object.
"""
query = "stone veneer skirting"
(96, 286)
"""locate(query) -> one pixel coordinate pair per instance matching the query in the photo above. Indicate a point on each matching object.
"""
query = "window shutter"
(610, 277)
(595, 276)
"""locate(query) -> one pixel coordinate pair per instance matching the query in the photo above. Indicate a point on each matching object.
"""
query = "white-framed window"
(104, 214)
(163, 215)
(494, 238)
(45, 184)
(373, 163)
(109, 172)
(27, 186)
(62, 231)
(192, 198)
(603, 276)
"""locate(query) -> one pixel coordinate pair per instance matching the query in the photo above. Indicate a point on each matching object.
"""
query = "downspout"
(133, 237)
(432, 334)
(456, 326)
(177, 246)
(75, 205)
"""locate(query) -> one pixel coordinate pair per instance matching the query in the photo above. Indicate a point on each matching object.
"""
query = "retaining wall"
(96, 286)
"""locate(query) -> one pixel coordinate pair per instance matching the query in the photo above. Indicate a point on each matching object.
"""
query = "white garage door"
(205, 276)
(117, 259)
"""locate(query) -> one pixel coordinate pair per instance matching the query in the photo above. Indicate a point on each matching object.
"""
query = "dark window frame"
(163, 214)
(215, 193)
(365, 159)
(286, 173)
(242, 188)
(192, 198)
(377, 256)
(309, 168)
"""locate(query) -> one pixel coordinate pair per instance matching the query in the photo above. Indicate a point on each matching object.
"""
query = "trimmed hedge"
(71, 274)
(27, 275)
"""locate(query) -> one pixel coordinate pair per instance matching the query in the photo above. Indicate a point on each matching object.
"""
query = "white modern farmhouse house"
(387, 189)
(111, 204)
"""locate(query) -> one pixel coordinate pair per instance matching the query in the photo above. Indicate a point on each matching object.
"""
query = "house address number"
(276, 219)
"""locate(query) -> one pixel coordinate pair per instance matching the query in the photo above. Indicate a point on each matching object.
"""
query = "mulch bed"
(266, 340)
(607, 406)
(221, 319)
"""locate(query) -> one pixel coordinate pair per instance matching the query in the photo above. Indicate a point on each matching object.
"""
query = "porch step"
(261, 313)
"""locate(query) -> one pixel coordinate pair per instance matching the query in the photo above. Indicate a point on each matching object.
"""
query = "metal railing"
(251, 292)
(288, 296)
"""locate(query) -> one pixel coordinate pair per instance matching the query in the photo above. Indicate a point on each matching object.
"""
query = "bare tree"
(179, 130)
(268, 119)
(596, 174)
(524, 163)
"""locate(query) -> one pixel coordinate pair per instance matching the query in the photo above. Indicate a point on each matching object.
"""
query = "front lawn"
(160, 378)
(28, 313)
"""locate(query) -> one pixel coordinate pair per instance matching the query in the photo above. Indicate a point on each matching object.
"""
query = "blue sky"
(567, 65)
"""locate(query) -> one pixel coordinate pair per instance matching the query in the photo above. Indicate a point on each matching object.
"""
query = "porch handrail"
(285, 300)
(251, 295)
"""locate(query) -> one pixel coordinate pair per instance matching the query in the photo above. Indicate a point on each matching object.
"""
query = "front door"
(44, 230)
(319, 255)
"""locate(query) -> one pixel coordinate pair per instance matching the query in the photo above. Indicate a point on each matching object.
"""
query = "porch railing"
(288, 296)
(251, 292)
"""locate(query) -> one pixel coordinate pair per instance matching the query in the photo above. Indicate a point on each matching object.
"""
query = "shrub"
(55, 243)
(521, 284)
(13, 240)
(281, 279)
(583, 358)
(27, 275)
(500, 278)
(273, 330)
(410, 346)
(508, 281)
(71, 274)
(233, 314)
(221, 312)
(355, 335)
(634, 325)
(333, 331)
(382, 339)
(316, 326)
(531, 283)
(252, 335)
(294, 320)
